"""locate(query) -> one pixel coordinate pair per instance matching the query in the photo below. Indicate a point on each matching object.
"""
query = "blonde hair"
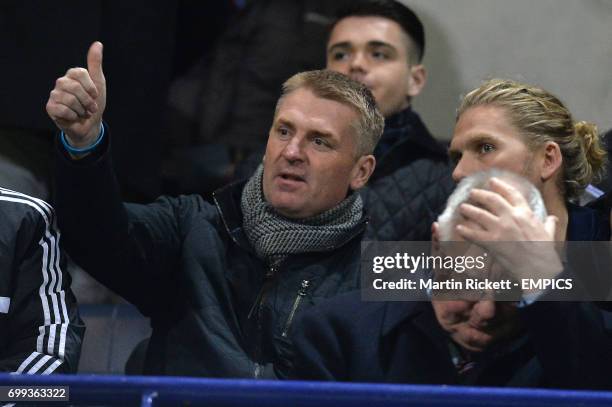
(340, 88)
(541, 117)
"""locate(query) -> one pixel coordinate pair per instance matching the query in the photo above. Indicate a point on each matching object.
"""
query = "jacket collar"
(227, 200)
(404, 139)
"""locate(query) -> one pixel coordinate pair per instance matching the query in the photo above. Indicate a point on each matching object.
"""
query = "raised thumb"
(94, 64)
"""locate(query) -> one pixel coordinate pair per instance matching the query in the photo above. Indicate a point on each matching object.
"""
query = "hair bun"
(596, 155)
(587, 132)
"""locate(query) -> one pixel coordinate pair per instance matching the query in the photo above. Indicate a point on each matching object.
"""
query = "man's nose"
(358, 62)
(483, 312)
(293, 150)
(461, 171)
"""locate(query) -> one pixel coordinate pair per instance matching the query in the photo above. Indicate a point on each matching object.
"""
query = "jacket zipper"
(262, 292)
(301, 294)
(255, 311)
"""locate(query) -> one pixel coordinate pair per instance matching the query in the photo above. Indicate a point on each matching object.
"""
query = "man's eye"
(339, 55)
(320, 142)
(283, 131)
(379, 55)
(486, 148)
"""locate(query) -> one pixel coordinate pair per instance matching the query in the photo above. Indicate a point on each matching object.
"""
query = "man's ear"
(361, 172)
(417, 80)
(552, 160)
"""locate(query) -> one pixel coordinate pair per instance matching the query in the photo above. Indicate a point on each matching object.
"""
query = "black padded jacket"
(216, 309)
(411, 183)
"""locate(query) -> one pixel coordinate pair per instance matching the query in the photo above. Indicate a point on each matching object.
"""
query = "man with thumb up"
(223, 283)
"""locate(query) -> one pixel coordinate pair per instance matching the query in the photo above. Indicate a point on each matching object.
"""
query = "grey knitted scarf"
(275, 237)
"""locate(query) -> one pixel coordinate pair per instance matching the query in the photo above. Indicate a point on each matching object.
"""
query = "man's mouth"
(291, 177)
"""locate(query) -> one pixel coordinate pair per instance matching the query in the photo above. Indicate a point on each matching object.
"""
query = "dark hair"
(392, 10)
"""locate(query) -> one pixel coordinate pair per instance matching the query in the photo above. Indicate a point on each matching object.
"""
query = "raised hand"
(77, 102)
(523, 244)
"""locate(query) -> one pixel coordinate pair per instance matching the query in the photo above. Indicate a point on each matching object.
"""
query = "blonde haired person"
(522, 129)
(541, 118)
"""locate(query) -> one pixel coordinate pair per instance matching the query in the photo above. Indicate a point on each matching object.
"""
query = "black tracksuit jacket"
(40, 329)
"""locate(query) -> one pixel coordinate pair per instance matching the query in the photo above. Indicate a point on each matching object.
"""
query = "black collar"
(410, 140)
(227, 200)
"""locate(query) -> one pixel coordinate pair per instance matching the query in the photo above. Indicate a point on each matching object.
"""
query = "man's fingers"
(66, 85)
(508, 191)
(61, 114)
(94, 64)
(483, 218)
(69, 100)
(471, 234)
(81, 75)
(489, 200)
